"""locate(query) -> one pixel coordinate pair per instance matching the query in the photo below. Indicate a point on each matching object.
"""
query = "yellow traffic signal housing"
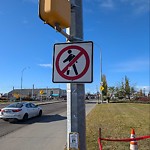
(55, 12)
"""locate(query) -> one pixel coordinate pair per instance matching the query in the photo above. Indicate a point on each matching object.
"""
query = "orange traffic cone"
(133, 144)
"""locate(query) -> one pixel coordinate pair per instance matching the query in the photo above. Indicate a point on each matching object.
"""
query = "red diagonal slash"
(72, 62)
(81, 52)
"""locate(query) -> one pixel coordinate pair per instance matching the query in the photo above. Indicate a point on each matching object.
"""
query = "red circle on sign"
(62, 72)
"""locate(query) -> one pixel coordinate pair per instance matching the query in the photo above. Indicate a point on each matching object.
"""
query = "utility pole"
(33, 91)
(46, 93)
(101, 78)
(76, 92)
(21, 82)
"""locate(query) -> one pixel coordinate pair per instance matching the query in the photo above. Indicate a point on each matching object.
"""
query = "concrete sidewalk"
(43, 135)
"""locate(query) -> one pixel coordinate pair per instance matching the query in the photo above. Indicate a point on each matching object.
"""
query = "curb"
(35, 102)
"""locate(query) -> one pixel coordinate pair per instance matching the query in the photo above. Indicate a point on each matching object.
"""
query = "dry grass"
(116, 121)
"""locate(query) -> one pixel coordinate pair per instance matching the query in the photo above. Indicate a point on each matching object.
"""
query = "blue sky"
(120, 28)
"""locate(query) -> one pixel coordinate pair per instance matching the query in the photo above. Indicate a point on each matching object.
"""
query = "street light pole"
(21, 82)
(101, 76)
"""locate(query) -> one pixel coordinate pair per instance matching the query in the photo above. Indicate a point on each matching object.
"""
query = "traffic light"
(55, 12)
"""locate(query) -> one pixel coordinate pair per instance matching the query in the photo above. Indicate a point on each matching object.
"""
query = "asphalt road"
(51, 109)
(40, 133)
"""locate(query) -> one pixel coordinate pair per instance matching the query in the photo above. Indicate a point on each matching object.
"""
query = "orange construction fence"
(118, 140)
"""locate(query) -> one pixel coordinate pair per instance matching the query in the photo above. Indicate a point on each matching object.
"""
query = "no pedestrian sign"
(73, 62)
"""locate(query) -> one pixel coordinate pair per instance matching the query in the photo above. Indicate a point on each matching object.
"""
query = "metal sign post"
(76, 92)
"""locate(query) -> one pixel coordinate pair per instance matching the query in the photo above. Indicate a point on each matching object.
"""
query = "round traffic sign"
(62, 71)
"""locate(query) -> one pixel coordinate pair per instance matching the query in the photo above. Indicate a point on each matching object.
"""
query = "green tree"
(104, 92)
(111, 91)
(117, 92)
(132, 90)
(127, 87)
(121, 91)
(141, 92)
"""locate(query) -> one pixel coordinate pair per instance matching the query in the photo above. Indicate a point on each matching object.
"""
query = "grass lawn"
(116, 121)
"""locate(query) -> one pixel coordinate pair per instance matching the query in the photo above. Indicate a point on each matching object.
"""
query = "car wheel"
(40, 113)
(25, 117)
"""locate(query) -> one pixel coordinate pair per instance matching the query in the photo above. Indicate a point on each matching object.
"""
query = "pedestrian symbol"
(69, 58)
(73, 62)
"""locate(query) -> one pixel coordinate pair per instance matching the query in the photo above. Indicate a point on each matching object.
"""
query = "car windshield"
(15, 105)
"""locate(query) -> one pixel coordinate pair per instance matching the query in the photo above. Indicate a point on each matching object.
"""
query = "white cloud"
(132, 66)
(107, 4)
(144, 88)
(46, 65)
(139, 6)
(136, 6)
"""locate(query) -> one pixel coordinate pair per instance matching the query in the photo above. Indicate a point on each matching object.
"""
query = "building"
(38, 93)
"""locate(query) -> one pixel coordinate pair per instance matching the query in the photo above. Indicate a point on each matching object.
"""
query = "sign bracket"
(69, 37)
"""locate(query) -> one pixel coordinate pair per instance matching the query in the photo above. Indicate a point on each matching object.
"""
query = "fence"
(119, 140)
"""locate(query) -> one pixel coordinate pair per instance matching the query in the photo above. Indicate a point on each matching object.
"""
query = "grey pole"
(76, 92)
(21, 83)
(46, 93)
(33, 91)
(101, 84)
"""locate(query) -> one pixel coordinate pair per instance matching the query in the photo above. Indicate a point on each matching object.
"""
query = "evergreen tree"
(104, 92)
(132, 90)
(111, 91)
(127, 87)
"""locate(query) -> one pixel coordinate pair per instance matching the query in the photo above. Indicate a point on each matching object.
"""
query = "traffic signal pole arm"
(59, 29)
(69, 37)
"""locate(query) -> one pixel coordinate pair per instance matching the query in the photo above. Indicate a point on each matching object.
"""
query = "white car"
(20, 111)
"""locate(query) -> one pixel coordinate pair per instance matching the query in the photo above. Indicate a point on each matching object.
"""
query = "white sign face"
(73, 141)
(73, 62)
